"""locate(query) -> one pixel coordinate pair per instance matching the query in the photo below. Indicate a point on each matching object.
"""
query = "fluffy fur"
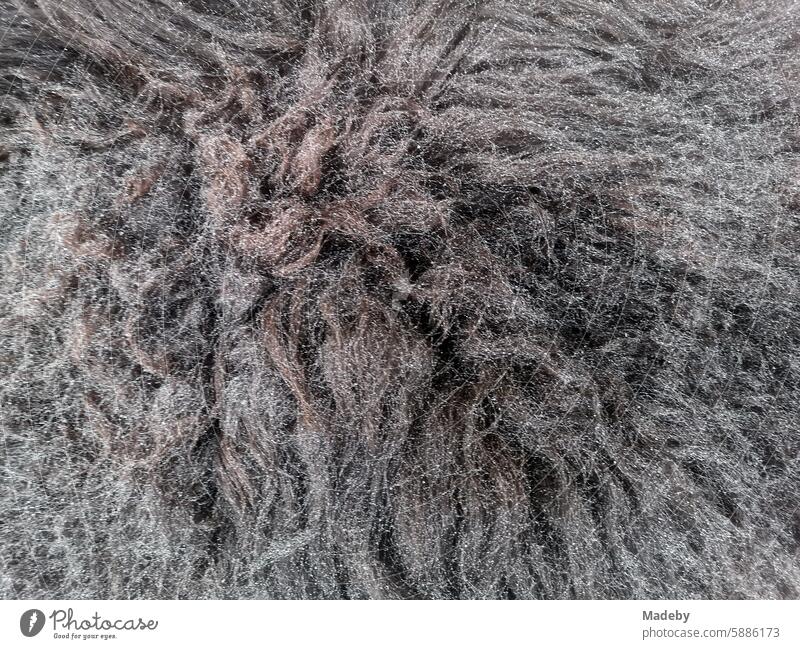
(406, 299)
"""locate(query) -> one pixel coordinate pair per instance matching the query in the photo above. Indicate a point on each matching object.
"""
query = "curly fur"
(406, 299)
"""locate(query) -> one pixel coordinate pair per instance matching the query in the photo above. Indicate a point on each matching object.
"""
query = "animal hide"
(406, 299)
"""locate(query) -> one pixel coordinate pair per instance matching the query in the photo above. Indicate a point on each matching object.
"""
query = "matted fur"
(399, 299)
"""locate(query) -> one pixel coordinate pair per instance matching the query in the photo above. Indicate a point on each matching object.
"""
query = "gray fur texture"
(404, 299)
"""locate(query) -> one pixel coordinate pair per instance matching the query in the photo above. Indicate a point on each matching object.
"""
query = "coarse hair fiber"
(418, 299)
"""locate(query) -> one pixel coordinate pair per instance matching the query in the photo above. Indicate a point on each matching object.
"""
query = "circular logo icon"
(31, 622)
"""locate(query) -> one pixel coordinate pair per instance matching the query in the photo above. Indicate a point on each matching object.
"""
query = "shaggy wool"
(403, 299)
